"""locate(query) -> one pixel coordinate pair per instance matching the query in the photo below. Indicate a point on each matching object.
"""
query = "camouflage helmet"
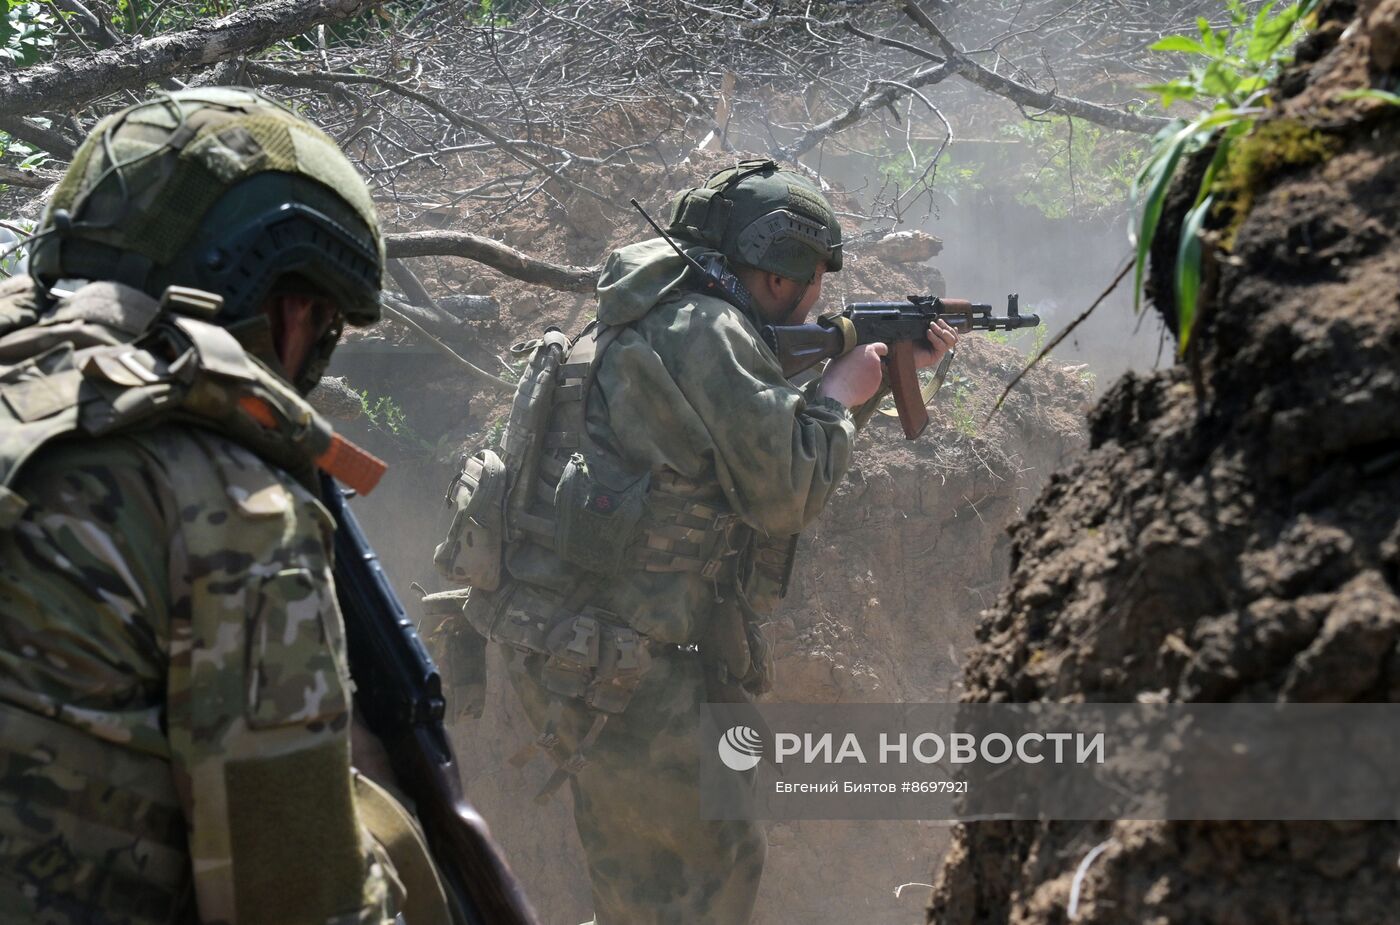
(760, 215)
(219, 189)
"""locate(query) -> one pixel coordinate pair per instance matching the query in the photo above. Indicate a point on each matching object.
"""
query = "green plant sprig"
(1232, 81)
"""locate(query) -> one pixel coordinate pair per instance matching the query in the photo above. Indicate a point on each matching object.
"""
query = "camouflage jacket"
(174, 698)
(689, 392)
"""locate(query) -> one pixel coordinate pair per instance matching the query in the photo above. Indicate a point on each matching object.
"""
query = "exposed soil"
(1233, 534)
(912, 548)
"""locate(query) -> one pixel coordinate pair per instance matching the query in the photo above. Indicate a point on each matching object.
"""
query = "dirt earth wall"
(1232, 534)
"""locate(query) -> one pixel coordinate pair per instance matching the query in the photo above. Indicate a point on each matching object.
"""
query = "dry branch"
(29, 179)
(494, 254)
(866, 106)
(69, 84)
(45, 139)
(1029, 96)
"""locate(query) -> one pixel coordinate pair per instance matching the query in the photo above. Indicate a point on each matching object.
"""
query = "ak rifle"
(398, 693)
(898, 325)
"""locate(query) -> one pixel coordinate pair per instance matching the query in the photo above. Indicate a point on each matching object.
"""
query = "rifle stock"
(398, 693)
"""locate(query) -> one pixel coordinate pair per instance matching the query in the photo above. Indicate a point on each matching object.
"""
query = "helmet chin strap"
(789, 315)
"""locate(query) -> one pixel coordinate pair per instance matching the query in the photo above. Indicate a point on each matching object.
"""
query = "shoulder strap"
(568, 421)
(109, 359)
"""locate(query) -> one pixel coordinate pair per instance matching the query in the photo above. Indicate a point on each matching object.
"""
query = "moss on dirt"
(1271, 148)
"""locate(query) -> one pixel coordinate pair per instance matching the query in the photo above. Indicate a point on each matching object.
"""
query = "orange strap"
(347, 463)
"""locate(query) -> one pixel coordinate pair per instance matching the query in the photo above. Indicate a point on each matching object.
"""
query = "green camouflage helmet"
(760, 215)
(219, 189)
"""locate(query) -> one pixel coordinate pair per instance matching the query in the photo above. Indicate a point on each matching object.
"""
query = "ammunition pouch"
(597, 512)
(586, 653)
(474, 548)
(766, 571)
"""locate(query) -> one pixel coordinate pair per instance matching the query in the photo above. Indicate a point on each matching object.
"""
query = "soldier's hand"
(941, 339)
(854, 378)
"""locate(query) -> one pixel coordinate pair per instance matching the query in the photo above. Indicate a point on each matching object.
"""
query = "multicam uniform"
(174, 701)
(174, 697)
(689, 404)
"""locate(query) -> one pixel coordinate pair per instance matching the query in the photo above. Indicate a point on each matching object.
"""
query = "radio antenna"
(710, 282)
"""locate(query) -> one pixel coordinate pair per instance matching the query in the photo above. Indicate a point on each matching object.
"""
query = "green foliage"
(388, 415)
(29, 156)
(1373, 94)
(959, 390)
(1027, 340)
(26, 32)
(1079, 168)
(1232, 77)
(1058, 165)
(495, 432)
(11, 254)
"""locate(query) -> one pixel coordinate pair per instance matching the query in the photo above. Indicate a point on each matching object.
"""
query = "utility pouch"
(518, 619)
(766, 571)
(573, 645)
(623, 660)
(598, 510)
(473, 551)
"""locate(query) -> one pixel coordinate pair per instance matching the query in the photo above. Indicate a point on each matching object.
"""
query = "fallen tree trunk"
(68, 84)
(494, 254)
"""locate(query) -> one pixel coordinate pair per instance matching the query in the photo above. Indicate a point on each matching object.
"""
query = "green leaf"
(1188, 272)
(1156, 176)
(1250, 85)
(1219, 80)
(1269, 33)
(1372, 94)
(1214, 42)
(1179, 43)
(1173, 92)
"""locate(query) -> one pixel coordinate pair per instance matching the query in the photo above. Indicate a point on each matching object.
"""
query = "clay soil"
(1232, 534)
(889, 584)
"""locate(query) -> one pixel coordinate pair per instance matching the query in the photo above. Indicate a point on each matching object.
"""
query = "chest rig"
(553, 486)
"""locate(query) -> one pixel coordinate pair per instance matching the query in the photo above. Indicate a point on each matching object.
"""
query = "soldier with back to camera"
(639, 523)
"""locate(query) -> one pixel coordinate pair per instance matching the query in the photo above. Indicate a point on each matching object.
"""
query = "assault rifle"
(398, 693)
(899, 325)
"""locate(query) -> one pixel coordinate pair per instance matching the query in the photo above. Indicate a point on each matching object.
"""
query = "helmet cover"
(759, 215)
(189, 188)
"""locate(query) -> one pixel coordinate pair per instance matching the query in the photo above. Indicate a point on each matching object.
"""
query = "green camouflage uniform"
(174, 698)
(689, 393)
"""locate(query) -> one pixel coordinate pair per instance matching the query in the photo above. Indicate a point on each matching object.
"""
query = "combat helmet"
(760, 215)
(224, 190)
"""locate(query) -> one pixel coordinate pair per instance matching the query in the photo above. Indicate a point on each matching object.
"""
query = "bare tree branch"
(292, 78)
(494, 254)
(29, 179)
(868, 104)
(404, 313)
(68, 84)
(97, 30)
(38, 136)
(1029, 96)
